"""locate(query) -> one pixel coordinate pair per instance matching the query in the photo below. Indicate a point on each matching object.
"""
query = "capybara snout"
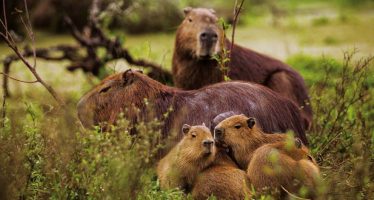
(200, 32)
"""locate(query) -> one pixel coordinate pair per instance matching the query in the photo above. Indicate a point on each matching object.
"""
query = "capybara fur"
(242, 136)
(179, 168)
(222, 179)
(126, 92)
(254, 150)
(199, 37)
(284, 166)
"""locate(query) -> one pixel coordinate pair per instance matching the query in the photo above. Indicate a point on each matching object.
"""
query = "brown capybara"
(179, 168)
(199, 37)
(247, 142)
(126, 92)
(284, 166)
(223, 178)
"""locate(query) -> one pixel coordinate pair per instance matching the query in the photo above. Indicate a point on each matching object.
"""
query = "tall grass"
(46, 153)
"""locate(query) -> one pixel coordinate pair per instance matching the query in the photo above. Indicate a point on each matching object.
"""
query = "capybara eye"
(238, 126)
(106, 89)
(189, 19)
(193, 135)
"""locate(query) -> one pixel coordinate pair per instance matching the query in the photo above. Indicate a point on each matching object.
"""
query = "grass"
(45, 153)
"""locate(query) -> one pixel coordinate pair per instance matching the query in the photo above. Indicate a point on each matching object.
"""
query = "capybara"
(199, 37)
(125, 92)
(223, 178)
(248, 142)
(285, 166)
(179, 168)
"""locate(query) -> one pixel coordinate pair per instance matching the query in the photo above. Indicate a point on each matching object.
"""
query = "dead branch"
(10, 42)
(237, 10)
(89, 40)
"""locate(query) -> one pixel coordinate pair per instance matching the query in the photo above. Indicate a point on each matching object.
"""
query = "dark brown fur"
(193, 69)
(125, 92)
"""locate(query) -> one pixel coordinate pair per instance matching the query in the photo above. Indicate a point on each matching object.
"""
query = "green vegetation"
(45, 152)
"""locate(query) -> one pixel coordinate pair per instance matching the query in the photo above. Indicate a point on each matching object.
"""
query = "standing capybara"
(199, 37)
(284, 166)
(270, 159)
(222, 179)
(126, 92)
(179, 168)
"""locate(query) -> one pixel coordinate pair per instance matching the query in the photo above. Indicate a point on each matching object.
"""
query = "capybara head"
(197, 141)
(297, 150)
(235, 129)
(127, 90)
(199, 34)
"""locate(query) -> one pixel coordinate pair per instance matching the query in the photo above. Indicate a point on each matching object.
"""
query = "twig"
(17, 79)
(292, 195)
(4, 110)
(237, 10)
(7, 38)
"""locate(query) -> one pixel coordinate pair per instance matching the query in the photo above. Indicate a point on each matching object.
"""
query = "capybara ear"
(128, 77)
(140, 71)
(251, 122)
(187, 10)
(186, 128)
(212, 11)
(298, 143)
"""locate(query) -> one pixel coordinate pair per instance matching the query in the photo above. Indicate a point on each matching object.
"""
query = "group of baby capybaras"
(237, 160)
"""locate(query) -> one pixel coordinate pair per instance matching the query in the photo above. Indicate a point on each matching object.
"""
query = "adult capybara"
(196, 151)
(223, 178)
(125, 92)
(284, 166)
(199, 37)
(270, 159)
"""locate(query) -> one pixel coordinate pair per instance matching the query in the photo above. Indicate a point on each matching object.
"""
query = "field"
(46, 153)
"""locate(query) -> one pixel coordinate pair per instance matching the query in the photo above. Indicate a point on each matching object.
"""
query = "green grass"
(46, 153)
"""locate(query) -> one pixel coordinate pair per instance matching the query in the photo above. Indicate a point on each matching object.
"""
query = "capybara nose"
(218, 133)
(208, 36)
(208, 143)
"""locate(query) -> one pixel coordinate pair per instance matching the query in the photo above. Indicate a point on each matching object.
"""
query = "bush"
(46, 154)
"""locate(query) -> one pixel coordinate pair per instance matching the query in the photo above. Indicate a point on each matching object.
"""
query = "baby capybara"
(222, 179)
(270, 159)
(133, 93)
(285, 166)
(199, 37)
(179, 168)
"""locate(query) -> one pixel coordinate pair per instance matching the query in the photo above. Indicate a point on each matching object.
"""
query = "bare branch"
(18, 79)
(13, 46)
(237, 10)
